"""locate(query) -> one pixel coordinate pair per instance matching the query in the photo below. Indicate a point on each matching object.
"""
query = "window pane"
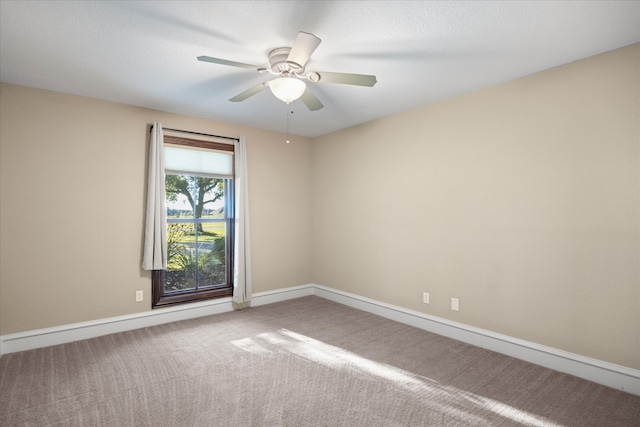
(212, 268)
(181, 258)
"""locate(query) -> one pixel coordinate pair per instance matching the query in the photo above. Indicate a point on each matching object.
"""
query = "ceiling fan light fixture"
(287, 89)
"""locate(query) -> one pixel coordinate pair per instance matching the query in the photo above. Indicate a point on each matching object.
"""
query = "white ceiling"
(144, 53)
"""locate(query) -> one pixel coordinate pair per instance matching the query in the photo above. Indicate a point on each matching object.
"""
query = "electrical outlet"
(139, 296)
(455, 304)
(425, 297)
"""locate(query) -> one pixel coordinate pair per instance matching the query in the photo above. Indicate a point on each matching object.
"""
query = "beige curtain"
(242, 253)
(155, 233)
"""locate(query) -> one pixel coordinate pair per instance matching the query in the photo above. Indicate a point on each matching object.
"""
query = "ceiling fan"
(288, 63)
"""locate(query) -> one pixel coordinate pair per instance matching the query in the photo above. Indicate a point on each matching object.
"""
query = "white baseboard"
(598, 371)
(284, 294)
(80, 331)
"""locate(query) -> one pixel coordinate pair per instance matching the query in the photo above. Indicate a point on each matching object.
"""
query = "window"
(200, 206)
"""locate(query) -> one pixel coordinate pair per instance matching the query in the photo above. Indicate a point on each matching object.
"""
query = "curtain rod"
(197, 133)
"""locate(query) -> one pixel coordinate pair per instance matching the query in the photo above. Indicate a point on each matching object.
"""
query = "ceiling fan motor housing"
(279, 64)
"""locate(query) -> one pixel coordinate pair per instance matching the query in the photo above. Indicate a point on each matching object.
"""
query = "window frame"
(160, 298)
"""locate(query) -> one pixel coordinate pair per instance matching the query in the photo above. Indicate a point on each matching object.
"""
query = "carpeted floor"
(304, 362)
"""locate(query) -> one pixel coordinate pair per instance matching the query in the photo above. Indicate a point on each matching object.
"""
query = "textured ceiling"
(144, 53)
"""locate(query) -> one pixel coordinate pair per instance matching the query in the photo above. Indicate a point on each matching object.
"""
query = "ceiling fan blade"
(347, 79)
(310, 100)
(227, 62)
(249, 92)
(303, 46)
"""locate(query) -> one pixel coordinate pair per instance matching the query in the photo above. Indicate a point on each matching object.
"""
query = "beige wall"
(72, 184)
(521, 200)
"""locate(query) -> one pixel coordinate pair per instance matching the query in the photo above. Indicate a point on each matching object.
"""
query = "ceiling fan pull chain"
(288, 126)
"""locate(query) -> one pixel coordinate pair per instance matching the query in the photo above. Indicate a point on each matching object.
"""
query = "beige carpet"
(304, 362)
